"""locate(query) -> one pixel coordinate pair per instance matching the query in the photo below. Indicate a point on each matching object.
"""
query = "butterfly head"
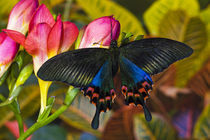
(113, 44)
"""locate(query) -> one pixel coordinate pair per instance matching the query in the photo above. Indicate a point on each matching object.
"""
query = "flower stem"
(16, 109)
(51, 118)
(44, 86)
(20, 123)
(42, 123)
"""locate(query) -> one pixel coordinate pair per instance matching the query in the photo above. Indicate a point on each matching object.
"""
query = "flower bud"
(99, 32)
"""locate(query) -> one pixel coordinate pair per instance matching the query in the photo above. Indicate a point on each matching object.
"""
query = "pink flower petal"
(16, 36)
(54, 38)
(70, 33)
(21, 14)
(36, 42)
(2, 37)
(13, 127)
(42, 15)
(8, 50)
(115, 33)
(99, 32)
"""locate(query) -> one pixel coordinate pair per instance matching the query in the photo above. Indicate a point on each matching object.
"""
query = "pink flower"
(19, 19)
(98, 33)
(46, 38)
(13, 127)
(8, 50)
(21, 14)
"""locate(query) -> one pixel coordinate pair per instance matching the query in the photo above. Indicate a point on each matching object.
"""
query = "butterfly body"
(93, 70)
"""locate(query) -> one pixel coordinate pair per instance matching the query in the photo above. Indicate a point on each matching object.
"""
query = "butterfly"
(93, 70)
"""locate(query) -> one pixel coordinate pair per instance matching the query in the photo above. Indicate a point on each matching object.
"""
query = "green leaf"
(139, 37)
(4, 77)
(11, 79)
(24, 75)
(71, 95)
(192, 31)
(12, 97)
(22, 59)
(14, 92)
(160, 8)
(156, 129)
(29, 104)
(99, 8)
(125, 37)
(202, 126)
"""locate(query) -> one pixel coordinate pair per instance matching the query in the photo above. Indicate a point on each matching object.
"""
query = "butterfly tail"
(95, 121)
(147, 113)
(101, 92)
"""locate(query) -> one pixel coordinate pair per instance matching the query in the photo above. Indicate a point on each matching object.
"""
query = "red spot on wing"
(141, 90)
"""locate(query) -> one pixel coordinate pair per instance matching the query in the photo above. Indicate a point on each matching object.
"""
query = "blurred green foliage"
(187, 21)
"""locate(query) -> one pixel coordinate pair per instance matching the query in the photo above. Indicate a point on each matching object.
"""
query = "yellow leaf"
(179, 26)
(205, 15)
(157, 129)
(159, 9)
(99, 8)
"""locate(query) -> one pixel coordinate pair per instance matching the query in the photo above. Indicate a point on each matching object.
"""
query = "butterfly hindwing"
(101, 91)
(153, 55)
(136, 84)
(77, 67)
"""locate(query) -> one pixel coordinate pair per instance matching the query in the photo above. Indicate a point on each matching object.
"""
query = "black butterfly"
(93, 69)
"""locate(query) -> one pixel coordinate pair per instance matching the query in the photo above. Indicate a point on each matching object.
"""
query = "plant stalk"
(16, 109)
(42, 123)
(51, 118)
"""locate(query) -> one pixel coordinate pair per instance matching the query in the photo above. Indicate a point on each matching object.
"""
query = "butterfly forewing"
(153, 55)
(76, 67)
